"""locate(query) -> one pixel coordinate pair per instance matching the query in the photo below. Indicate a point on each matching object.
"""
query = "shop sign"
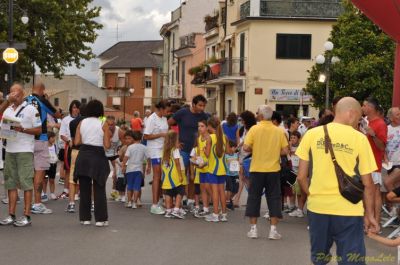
(279, 94)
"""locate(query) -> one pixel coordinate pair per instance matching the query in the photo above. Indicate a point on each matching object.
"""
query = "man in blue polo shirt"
(187, 120)
(41, 150)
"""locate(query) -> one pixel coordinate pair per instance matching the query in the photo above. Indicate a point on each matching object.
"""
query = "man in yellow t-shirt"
(332, 218)
(267, 143)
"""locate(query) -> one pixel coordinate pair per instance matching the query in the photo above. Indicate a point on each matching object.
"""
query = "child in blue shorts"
(132, 166)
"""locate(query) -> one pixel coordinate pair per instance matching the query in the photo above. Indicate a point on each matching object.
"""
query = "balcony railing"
(211, 22)
(188, 41)
(245, 10)
(318, 9)
(226, 68)
(176, 14)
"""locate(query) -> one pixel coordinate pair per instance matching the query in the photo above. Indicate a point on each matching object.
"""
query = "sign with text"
(10, 55)
(280, 94)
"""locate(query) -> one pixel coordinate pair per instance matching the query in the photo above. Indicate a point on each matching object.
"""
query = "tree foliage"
(57, 35)
(366, 61)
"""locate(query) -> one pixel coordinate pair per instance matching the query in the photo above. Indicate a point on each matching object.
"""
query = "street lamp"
(328, 61)
(129, 91)
(25, 20)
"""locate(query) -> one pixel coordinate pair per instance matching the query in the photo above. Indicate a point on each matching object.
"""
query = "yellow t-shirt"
(170, 175)
(266, 141)
(216, 165)
(348, 145)
(200, 150)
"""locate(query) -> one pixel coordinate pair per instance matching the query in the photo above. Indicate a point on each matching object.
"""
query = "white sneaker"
(85, 222)
(223, 217)
(252, 233)
(266, 215)
(274, 235)
(134, 206)
(76, 198)
(123, 199)
(212, 218)
(128, 205)
(297, 213)
(53, 196)
(158, 210)
(101, 224)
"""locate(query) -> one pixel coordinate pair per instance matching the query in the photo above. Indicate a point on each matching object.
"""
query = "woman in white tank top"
(92, 167)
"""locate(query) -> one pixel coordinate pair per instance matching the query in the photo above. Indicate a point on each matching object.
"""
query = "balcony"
(211, 22)
(176, 14)
(315, 9)
(188, 41)
(227, 70)
(245, 10)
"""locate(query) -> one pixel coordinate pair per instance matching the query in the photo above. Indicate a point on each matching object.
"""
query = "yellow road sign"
(10, 55)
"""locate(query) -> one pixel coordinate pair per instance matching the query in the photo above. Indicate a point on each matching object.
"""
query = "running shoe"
(92, 208)
(9, 220)
(53, 196)
(63, 195)
(212, 218)
(102, 224)
(252, 233)
(85, 222)
(202, 214)
(183, 211)
(134, 206)
(266, 215)
(128, 205)
(297, 213)
(230, 205)
(40, 209)
(274, 235)
(76, 197)
(70, 208)
(61, 181)
(123, 199)
(168, 215)
(114, 195)
(5, 200)
(157, 210)
(223, 217)
(44, 198)
(289, 209)
(195, 211)
(178, 214)
(139, 203)
(22, 221)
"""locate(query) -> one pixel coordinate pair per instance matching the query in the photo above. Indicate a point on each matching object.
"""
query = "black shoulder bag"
(351, 188)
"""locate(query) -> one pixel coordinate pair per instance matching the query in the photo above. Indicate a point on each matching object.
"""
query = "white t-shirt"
(53, 154)
(30, 118)
(137, 153)
(92, 131)
(118, 169)
(156, 125)
(393, 145)
(64, 127)
(295, 159)
(115, 142)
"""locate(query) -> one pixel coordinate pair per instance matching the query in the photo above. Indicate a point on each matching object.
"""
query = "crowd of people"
(201, 165)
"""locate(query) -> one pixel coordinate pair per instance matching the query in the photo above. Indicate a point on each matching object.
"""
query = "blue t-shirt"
(188, 126)
(44, 107)
(230, 131)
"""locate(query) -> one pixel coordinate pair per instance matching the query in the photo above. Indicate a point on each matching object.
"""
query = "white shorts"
(377, 178)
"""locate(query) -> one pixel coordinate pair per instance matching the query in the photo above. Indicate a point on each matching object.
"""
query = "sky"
(136, 20)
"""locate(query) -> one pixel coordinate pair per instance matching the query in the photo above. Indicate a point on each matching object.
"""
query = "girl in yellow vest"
(217, 170)
(201, 166)
(172, 178)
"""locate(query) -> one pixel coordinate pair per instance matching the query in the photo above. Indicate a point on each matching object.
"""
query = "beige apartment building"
(265, 49)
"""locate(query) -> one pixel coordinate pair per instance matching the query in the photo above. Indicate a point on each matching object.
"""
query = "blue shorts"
(203, 178)
(214, 179)
(186, 158)
(134, 180)
(155, 161)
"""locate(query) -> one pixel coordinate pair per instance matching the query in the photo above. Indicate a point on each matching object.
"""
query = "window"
(183, 75)
(293, 46)
(147, 82)
(242, 46)
(213, 51)
(173, 77)
(56, 102)
(83, 100)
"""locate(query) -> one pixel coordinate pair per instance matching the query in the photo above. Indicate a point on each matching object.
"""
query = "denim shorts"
(134, 180)
(214, 179)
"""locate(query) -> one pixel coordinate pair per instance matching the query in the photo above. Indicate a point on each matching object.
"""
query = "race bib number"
(234, 166)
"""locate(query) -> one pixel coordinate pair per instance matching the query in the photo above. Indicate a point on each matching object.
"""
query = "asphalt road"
(137, 237)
